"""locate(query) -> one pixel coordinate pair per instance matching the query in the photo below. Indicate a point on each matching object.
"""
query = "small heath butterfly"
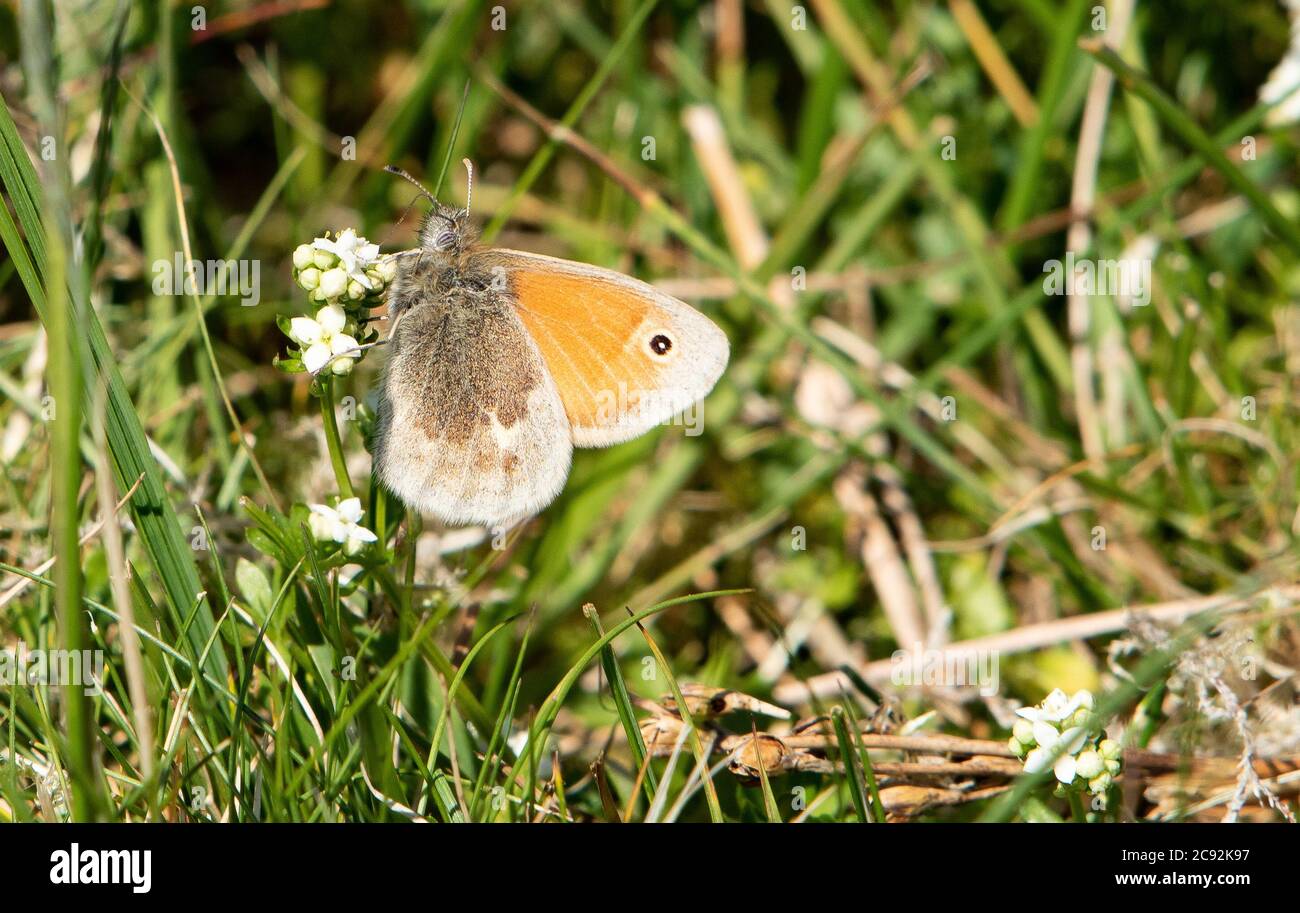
(501, 362)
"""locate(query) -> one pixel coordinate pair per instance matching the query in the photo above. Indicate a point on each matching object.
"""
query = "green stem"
(332, 438)
(379, 510)
(1076, 807)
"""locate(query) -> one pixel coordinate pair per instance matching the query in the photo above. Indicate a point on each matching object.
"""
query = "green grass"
(271, 679)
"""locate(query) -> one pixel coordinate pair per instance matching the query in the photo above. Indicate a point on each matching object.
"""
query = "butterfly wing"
(470, 426)
(624, 356)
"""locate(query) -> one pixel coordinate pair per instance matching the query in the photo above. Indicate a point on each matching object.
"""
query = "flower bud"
(356, 291)
(303, 256)
(1089, 764)
(333, 282)
(324, 259)
(1110, 749)
(1023, 732)
(309, 278)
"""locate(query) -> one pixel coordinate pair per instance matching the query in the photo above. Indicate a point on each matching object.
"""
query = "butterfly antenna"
(469, 182)
(407, 211)
(393, 169)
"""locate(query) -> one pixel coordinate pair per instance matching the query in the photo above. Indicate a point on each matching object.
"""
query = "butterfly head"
(447, 231)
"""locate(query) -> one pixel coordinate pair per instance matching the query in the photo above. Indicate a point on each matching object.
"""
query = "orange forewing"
(585, 328)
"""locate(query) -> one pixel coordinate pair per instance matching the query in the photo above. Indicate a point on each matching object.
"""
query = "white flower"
(1057, 749)
(1057, 726)
(343, 348)
(1067, 737)
(345, 268)
(323, 340)
(1056, 707)
(304, 330)
(355, 254)
(342, 525)
(332, 319)
(322, 522)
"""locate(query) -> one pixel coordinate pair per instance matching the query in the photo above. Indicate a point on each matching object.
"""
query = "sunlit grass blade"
(150, 507)
(848, 757)
(623, 704)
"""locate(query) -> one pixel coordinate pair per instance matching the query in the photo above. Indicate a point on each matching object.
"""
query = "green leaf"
(255, 588)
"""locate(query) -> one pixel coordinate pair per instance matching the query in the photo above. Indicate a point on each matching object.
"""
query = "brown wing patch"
(461, 388)
(470, 427)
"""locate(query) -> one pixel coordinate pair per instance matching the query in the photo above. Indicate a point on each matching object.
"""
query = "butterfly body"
(501, 362)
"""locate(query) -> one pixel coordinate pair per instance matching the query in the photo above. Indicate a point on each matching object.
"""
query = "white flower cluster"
(341, 524)
(345, 275)
(342, 270)
(326, 340)
(1065, 733)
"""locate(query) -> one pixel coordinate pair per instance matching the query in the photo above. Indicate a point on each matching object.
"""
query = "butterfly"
(501, 362)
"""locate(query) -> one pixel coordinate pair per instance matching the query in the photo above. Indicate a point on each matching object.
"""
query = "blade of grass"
(873, 792)
(1177, 120)
(89, 801)
(770, 807)
(236, 426)
(623, 703)
(150, 508)
(551, 706)
(693, 734)
(849, 757)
